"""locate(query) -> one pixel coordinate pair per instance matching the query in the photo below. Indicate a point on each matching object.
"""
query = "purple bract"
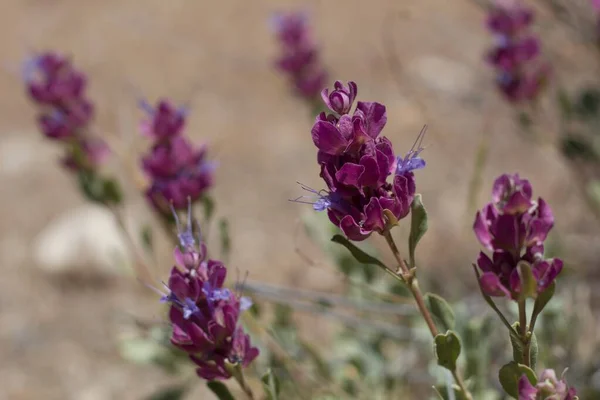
(356, 163)
(204, 315)
(299, 57)
(513, 227)
(548, 387)
(520, 75)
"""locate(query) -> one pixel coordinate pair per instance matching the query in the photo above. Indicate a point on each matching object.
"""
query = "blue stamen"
(412, 161)
(325, 199)
(186, 237)
(189, 308)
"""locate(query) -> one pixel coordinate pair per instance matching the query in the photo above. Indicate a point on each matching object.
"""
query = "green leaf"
(147, 238)
(271, 385)
(447, 349)
(528, 281)
(176, 392)
(510, 374)
(576, 147)
(358, 254)
(564, 103)
(225, 238)
(442, 392)
(209, 207)
(220, 390)
(543, 299)
(517, 346)
(441, 311)
(91, 186)
(588, 103)
(112, 192)
(418, 226)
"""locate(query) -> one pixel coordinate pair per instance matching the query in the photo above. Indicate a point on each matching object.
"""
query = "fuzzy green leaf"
(271, 385)
(447, 349)
(441, 311)
(220, 390)
(543, 299)
(510, 374)
(418, 226)
(528, 281)
(176, 392)
(358, 254)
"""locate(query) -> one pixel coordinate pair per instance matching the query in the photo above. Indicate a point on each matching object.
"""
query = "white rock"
(88, 236)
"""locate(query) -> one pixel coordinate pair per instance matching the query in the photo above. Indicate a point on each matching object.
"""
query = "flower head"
(204, 315)
(513, 227)
(176, 169)
(356, 164)
(548, 387)
(299, 57)
(520, 75)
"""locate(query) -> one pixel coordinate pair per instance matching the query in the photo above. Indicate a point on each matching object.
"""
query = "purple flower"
(176, 169)
(514, 227)
(66, 113)
(356, 163)
(165, 120)
(519, 74)
(548, 387)
(341, 99)
(299, 57)
(204, 315)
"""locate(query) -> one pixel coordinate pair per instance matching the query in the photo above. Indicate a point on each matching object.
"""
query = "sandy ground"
(58, 332)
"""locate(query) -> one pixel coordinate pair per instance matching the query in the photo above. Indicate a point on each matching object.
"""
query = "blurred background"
(64, 303)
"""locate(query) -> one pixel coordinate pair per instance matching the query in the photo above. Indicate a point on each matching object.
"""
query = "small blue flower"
(186, 237)
(412, 161)
(245, 303)
(324, 199)
(189, 308)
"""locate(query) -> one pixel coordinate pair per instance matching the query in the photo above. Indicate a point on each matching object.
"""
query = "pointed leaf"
(358, 254)
(147, 238)
(441, 311)
(225, 238)
(112, 192)
(220, 390)
(510, 374)
(418, 226)
(447, 349)
(543, 299)
(528, 282)
(271, 385)
(517, 346)
(209, 207)
(176, 392)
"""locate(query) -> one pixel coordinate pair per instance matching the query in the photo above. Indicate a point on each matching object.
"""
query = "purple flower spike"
(548, 387)
(299, 57)
(341, 99)
(203, 314)
(179, 172)
(520, 75)
(514, 227)
(356, 164)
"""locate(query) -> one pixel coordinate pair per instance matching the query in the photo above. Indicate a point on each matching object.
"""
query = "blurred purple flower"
(356, 163)
(204, 315)
(548, 387)
(520, 75)
(299, 54)
(65, 115)
(177, 170)
(514, 227)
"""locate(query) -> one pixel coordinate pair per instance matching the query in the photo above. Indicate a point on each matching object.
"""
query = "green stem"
(408, 276)
(523, 332)
(238, 374)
